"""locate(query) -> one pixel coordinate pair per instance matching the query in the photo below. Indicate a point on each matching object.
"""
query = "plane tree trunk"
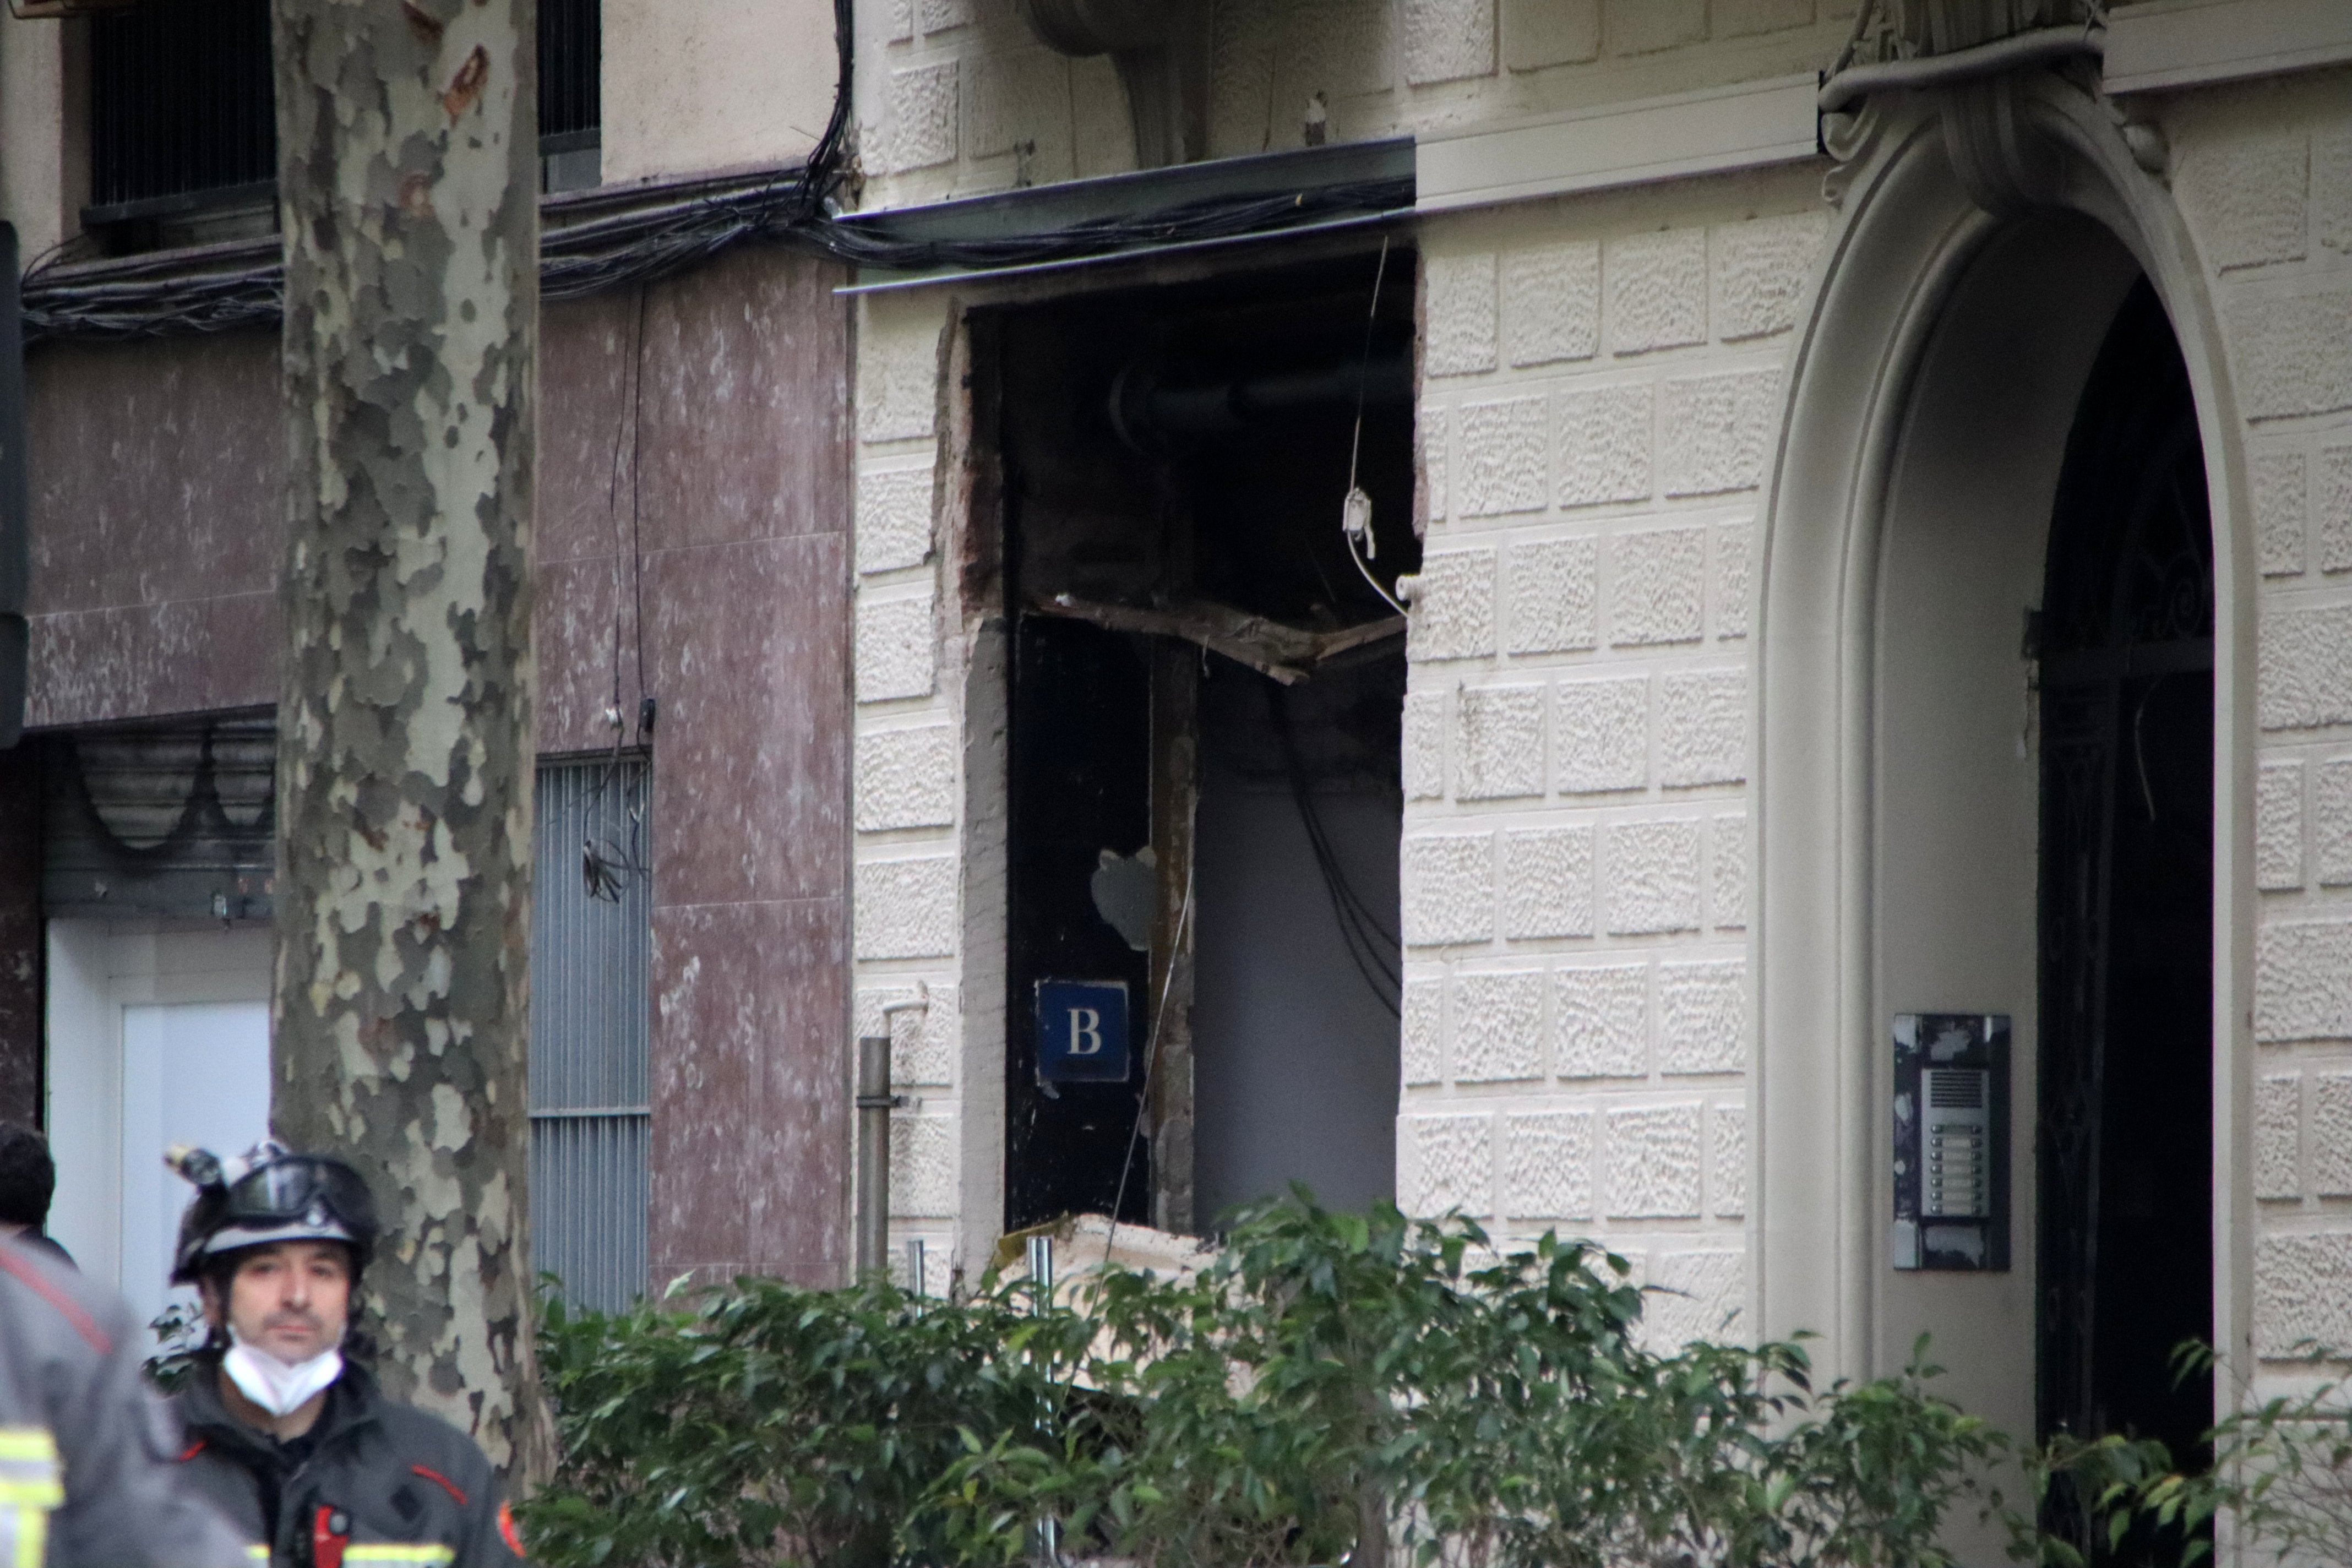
(408, 178)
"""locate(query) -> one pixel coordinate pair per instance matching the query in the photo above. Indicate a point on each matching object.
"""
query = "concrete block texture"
(2331, 823)
(1726, 867)
(906, 908)
(944, 15)
(1604, 445)
(2331, 190)
(2278, 1132)
(1551, 596)
(1547, 1165)
(1433, 439)
(1657, 587)
(923, 1166)
(2302, 981)
(1449, 889)
(1499, 751)
(1021, 99)
(1503, 466)
(923, 108)
(1703, 1017)
(2278, 826)
(896, 653)
(1453, 606)
(1727, 1153)
(2303, 1292)
(897, 369)
(2279, 507)
(2304, 668)
(1653, 1158)
(1458, 330)
(1739, 18)
(1642, 26)
(1603, 735)
(894, 518)
(1657, 290)
(924, 1041)
(1423, 748)
(1649, 871)
(1539, 33)
(906, 778)
(1448, 40)
(1601, 1021)
(1732, 580)
(1421, 1031)
(1551, 302)
(1548, 882)
(1498, 1028)
(2332, 509)
(1716, 431)
(1761, 269)
(2331, 1135)
(2293, 352)
(1703, 728)
(1698, 1295)
(2243, 196)
(1452, 1162)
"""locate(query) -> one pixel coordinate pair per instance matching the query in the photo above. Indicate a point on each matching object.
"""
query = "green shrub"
(1328, 1375)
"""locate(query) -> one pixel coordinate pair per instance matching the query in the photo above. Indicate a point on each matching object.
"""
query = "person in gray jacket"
(288, 1434)
(87, 1477)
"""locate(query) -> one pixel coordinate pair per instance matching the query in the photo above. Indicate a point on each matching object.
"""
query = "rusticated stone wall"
(1600, 399)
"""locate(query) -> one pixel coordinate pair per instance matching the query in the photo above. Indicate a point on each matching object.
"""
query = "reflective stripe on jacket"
(87, 1478)
(375, 1484)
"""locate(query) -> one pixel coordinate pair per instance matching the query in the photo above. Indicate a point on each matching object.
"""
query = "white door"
(158, 1034)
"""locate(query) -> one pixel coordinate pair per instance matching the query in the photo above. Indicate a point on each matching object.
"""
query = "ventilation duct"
(1162, 50)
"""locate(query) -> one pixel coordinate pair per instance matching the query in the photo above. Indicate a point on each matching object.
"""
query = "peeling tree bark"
(408, 170)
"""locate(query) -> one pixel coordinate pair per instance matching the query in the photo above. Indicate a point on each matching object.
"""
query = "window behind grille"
(184, 118)
(591, 1118)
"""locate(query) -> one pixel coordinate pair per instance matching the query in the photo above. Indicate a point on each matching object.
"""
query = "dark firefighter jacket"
(87, 1478)
(374, 1483)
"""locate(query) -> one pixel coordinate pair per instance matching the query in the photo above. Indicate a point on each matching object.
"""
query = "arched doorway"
(2125, 655)
(1941, 400)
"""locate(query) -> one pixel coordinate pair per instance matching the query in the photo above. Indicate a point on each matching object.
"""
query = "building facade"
(1877, 553)
(1725, 626)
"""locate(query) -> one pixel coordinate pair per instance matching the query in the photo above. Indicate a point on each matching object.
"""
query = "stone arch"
(1896, 379)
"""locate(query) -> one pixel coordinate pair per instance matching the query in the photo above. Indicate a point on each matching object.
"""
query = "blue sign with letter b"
(1081, 1031)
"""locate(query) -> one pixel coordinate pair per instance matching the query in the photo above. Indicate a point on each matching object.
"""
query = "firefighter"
(87, 1476)
(286, 1435)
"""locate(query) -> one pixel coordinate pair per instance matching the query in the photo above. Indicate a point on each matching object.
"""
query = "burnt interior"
(1174, 463)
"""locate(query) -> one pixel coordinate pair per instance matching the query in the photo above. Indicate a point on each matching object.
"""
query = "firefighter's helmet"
(268, 1194)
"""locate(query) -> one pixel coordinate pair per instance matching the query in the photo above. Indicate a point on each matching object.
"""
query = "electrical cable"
(1355, 510)
(1366, 937)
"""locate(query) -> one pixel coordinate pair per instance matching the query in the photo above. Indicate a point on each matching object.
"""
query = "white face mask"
(280, 1387)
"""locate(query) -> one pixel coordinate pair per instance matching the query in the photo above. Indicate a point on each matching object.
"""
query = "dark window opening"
(182, 117)
(2127, 1166)
(1205, 721)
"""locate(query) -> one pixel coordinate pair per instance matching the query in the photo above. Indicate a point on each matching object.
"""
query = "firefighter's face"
(291, 1299)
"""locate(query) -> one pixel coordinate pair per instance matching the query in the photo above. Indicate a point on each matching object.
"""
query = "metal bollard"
(917, 1261)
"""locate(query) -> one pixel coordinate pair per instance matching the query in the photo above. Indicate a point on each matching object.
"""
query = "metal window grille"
(180, 101)
(590, 957)
(571, 63)
(182, 105)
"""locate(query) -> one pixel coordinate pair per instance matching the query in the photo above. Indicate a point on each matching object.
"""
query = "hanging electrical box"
(1952, 1142)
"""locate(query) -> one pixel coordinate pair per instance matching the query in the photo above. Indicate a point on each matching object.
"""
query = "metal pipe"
(871, 1224)
(1143, 408)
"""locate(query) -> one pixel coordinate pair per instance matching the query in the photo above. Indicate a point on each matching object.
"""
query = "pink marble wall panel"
(156, 534)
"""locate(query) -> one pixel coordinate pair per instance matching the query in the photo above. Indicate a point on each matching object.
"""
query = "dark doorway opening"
(1205, 715)
(2126, 647)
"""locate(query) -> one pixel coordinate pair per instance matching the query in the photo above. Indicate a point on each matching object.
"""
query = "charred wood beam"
(1285, 653)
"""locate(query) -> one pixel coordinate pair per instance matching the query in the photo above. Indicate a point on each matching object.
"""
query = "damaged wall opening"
(1207, 684)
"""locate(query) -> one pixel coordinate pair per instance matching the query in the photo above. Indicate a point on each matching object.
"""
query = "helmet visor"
(291, 1198)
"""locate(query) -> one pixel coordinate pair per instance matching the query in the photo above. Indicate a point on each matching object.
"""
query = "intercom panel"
(1952, 1142)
